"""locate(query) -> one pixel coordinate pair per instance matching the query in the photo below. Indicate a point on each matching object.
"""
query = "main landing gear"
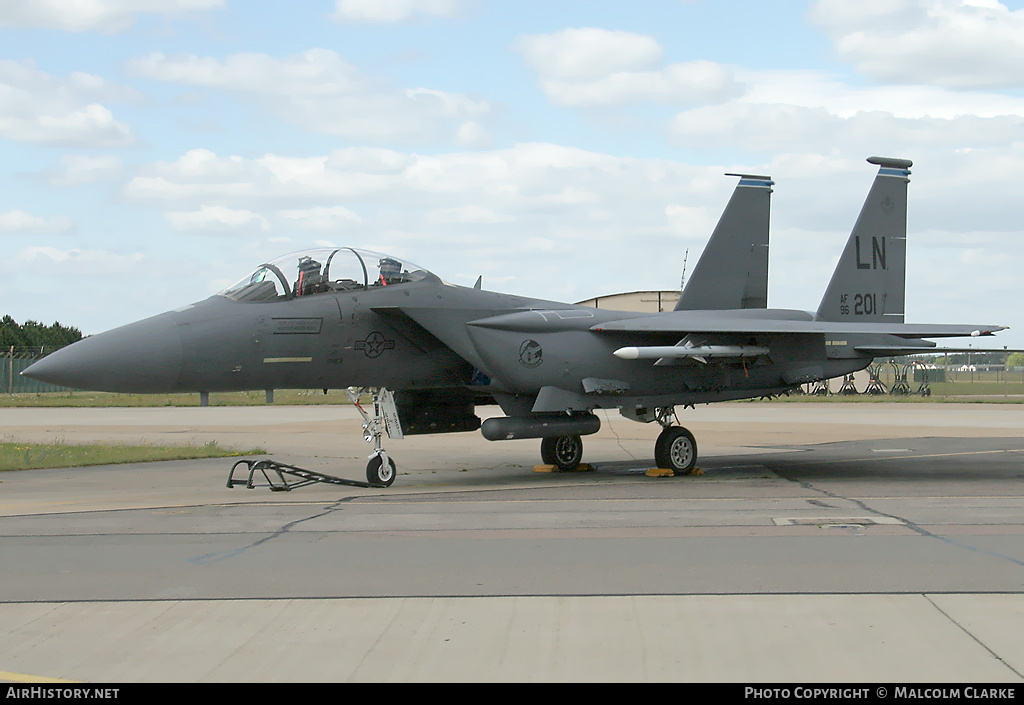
(380, 471)
(564, 452)
(675, 449)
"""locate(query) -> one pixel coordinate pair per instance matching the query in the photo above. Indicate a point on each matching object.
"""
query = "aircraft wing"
(884, 350)
(683, 322)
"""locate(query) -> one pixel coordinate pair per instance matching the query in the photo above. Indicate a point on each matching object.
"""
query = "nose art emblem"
(530, 353)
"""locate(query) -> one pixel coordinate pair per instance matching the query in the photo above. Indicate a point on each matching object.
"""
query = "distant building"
(639, 301)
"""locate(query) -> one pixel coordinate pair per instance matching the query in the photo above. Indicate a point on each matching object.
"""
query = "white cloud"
(953, 43)
(38, 107)
(320, 91)
(472, 134)
(333, 218)
(589, 67)
(690, 221)
(391, 10)
(811, 111)
(106, 16)
(817, 89)
(772, 128)
(466, 214)
(76, 263)
(202, 175)
(314, 72)
(691, 82)
(80, 169)
(588, 52)
(368, 160)
(217, 219)
(18, 221)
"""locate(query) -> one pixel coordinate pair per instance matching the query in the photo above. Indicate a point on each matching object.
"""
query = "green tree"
(10, 333)
(35, 334)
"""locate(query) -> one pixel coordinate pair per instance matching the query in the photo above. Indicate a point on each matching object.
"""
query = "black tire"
(564, 452)
(676, 450)
(379, 476)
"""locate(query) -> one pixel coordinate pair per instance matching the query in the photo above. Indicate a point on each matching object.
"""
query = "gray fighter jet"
(430, 351)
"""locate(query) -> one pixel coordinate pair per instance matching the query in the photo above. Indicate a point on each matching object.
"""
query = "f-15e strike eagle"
(430, 351)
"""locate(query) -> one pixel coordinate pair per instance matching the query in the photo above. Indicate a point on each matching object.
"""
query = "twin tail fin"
(733, 269)
(869, 282)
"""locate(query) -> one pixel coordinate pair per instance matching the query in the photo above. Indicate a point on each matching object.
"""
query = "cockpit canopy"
(323, 270)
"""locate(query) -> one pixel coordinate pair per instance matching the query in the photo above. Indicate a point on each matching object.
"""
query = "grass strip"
(889, 399)
(957, 392)
(76, 398)
(30, 456)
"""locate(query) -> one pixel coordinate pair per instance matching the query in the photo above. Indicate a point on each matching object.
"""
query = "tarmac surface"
(860, 542)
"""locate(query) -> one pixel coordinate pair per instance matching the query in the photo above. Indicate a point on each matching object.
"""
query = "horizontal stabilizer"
(896, 350)
(893, 350)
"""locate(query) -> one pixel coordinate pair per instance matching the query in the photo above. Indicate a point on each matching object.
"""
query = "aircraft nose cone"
(140, 357)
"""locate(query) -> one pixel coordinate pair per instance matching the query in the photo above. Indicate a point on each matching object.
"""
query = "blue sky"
(155, 151)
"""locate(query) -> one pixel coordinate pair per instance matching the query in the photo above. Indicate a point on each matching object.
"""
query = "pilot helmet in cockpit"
(390, 271)
(310, 280)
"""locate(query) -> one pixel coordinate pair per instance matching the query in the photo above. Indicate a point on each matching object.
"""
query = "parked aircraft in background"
(430, 352)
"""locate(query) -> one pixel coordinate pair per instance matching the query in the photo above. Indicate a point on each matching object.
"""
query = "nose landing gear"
(380, 471)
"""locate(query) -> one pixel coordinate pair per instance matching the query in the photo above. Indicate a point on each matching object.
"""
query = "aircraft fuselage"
(376, 338)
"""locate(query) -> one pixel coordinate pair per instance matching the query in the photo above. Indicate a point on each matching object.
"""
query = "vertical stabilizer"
(869, 282)
(733, 269)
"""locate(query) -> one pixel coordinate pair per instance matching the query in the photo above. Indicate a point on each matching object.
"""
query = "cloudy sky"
(155, 151)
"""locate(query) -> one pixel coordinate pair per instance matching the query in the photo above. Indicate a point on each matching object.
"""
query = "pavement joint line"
(811, 521)
(907, 457)
(8, 676)
(918, 529)
(971, 634)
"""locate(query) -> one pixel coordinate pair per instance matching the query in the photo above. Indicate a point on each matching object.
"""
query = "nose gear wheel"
(379, 473)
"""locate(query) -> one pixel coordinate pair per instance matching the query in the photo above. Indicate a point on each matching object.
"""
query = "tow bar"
(282, 484)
